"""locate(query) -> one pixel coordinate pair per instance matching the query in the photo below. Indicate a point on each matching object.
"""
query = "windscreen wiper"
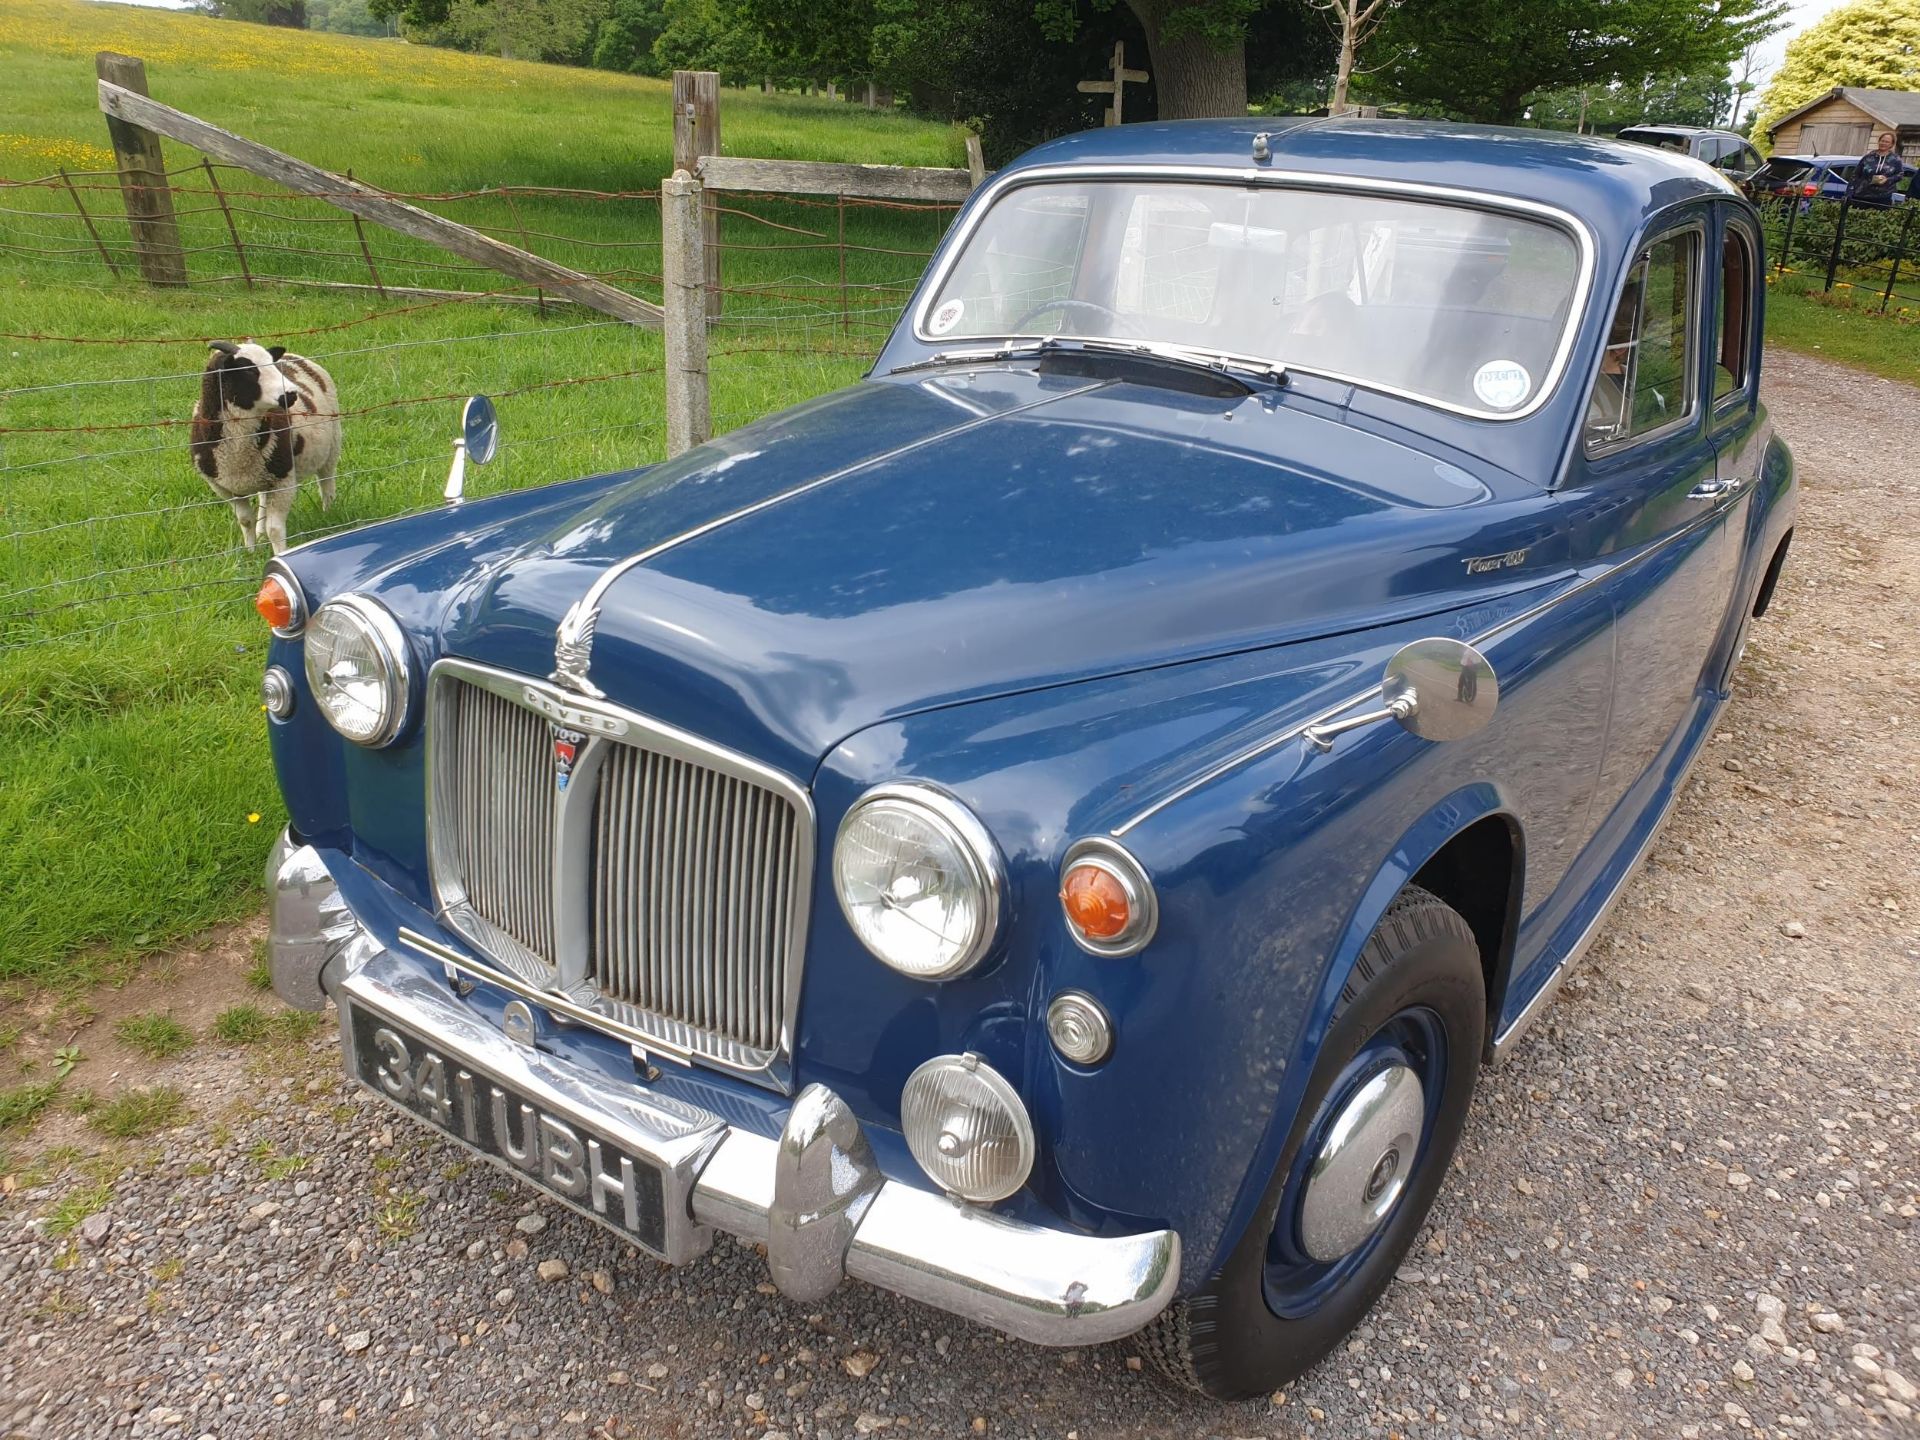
(1189, 356)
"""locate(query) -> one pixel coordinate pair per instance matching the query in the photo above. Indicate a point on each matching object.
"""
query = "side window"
(1646, 370)
(1713, 150)
(1731, 327)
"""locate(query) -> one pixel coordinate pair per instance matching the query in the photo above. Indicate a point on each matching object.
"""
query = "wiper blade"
(1190, 356)
(1012, 350)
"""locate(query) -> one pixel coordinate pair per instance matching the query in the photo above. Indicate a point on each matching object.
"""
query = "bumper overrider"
(815, 1197)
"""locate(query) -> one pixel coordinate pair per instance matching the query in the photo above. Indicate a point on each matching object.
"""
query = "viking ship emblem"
(573, 649)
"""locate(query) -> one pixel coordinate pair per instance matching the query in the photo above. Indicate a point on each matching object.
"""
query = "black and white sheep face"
(249, 380)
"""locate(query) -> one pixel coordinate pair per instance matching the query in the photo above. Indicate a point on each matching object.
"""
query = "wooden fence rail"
(127, 109)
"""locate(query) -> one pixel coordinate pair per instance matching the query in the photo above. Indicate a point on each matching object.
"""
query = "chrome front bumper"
(815, 1197)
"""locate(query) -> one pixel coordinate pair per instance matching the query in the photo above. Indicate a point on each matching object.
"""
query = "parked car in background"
(1055, 829)
(1813, 177)
(1727, 152)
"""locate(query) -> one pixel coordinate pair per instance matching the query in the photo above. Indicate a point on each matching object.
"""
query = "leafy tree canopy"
(1702, 97)
(1874, 44)
(1485, 59)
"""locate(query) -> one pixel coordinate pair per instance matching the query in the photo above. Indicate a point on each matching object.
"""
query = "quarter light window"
(1645, 381)
(1736, 299)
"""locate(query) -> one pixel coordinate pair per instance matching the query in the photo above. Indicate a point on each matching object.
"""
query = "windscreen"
(1448, 303)
(1782, 172)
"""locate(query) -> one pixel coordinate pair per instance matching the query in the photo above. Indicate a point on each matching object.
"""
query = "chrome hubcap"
(1362, 1166)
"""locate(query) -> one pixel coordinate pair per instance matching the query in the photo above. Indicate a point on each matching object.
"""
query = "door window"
(1736, 301)
(1646, 371)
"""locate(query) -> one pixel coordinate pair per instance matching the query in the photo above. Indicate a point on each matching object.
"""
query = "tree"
(1699, 98)
(1874, 44)
(1357, 20)
(1196, 49)
(289, 13)
(1485, 59)
(625, 39)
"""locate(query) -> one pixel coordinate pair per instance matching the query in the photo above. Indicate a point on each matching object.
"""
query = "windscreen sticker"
(1502, 384)
(946, 317)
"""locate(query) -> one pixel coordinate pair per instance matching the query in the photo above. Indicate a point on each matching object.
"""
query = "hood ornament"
(573, 648)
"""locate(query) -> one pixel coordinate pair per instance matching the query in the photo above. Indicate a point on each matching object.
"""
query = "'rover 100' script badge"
(566, 749)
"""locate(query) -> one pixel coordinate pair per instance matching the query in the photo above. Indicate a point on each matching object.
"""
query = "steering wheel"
(1064, 302)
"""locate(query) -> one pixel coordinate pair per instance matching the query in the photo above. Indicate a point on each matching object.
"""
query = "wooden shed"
(1845, 120)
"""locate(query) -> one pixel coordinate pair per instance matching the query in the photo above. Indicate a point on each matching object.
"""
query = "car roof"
(1610, 184)
(1657, 128)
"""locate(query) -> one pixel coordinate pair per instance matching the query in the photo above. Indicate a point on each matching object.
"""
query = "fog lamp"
(967, 1128)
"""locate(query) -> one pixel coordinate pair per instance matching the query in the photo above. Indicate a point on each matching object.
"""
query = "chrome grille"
(664, 886)
(693, 895)
(501, 809)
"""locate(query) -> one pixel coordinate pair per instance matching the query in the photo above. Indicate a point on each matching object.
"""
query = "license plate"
(555, 1152)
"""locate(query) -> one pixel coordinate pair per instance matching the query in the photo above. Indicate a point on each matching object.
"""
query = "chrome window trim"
(1697, 224)
(565, 985)
(1458, 196)
(277, 569)
(977, 845)
(1108, 855)
(391, 641)
(1371, 695)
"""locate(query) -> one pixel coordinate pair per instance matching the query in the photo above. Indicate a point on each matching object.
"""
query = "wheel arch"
(1472, 850)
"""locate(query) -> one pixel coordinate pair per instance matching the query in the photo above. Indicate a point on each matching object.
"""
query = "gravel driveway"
(1686, 1208)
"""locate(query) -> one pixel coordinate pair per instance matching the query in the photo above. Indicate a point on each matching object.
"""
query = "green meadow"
(136, 801)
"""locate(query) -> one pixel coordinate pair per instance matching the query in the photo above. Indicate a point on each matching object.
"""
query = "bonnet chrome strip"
(573, 641)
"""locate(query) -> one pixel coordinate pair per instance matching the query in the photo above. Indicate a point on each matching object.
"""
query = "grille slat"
(693, 872)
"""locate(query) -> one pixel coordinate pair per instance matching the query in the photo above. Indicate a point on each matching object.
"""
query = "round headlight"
(357, 669)
(967, 1128)
(919, 880)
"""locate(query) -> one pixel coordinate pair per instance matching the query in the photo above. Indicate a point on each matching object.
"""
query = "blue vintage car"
(1055, 829)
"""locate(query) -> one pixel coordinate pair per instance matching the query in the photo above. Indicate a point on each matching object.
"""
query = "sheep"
(265, 420)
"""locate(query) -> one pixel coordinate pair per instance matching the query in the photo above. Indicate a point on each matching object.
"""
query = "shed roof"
(1889, 107)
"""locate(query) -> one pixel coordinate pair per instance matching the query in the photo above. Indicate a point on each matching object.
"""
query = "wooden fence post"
(696, 132)
(976, 160)
(143, 180)
(683, 283)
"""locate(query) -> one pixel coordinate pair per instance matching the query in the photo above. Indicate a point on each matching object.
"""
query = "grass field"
(136, 802)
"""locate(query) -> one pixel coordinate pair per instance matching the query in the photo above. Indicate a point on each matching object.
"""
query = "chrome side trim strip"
(573, 641)
(1372, 693)
(1505, 1042)
(1254, 175)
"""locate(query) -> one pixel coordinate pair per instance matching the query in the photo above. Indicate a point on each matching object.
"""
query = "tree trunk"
(1191, 79)
(1337, 103)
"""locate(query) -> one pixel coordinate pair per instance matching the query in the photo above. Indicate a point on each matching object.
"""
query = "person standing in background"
(1878, 172)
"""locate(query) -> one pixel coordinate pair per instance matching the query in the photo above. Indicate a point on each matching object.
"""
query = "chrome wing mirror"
(1438, 689)
(478, 439)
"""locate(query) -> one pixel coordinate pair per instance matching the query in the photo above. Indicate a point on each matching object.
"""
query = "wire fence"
(1864, 256)
(105, 523)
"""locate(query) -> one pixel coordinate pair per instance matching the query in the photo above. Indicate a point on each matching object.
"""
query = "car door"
(1648, 504)
(1737, 421)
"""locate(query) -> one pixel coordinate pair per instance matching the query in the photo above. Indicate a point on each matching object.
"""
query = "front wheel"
(1382, 1113)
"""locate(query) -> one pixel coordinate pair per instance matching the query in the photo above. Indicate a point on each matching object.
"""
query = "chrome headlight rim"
(1003, 1094)
(390, 644)
(985, 869)
(1143, 904)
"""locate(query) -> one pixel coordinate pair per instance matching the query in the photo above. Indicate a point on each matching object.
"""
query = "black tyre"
(1379, 1122)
